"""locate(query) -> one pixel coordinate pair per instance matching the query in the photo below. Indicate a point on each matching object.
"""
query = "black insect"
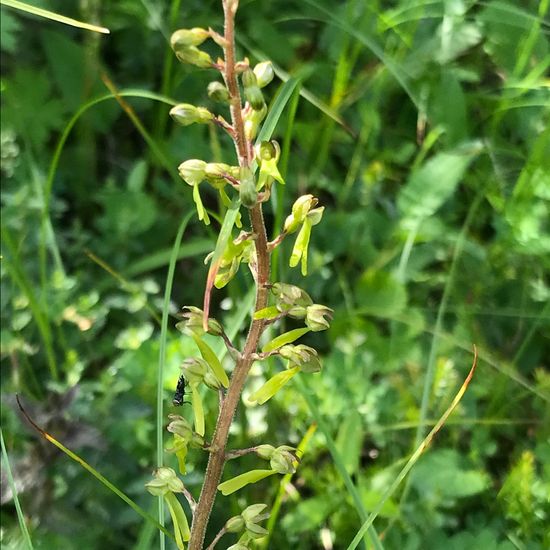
(179, 395)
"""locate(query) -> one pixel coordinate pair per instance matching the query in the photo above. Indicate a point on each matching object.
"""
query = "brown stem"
(217, 457)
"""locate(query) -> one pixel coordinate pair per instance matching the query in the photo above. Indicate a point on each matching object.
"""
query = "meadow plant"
(244, 186)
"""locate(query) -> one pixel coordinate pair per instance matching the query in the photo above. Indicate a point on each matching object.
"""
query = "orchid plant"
(244, 186)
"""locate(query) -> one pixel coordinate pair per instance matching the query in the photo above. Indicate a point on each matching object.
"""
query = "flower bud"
(194, 369)
(184, 38)
(291, 295)
(218, 92)
(254, 512)
(255, 97)
(214, 173)
(264, 73)
(192, 323)
(211, 381)
(252, 119)
(283, 460)
(248, 78)
(187, 114)
(265, 451)
(252, 91)
(235, 524)
(302, 356)
(192, 171)
(179, 426)
(247, 188)
(165, 481)
(194, 56)
(318, 317)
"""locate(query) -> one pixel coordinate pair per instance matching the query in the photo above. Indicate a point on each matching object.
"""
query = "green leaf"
(221, 244)
(349, 441)
(331, 18)
(285, 338)
(442, 475)
(212, 359)
(433, 183)
(9, 26)
(30, 107)
(240, 481)
(273, 385)
(276, 109)
(380, 293)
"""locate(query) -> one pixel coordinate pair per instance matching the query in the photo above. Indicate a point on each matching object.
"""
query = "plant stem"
(217, 457)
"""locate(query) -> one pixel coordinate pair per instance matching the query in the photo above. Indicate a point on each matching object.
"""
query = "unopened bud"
(255, 97)
(291, 295)
(265, 451)
(192, 171)
(211, 381)
(252, 119)
(283, 460)
(187, 114)
(248, 78)
(194, 369)
(234, 524)
(193, 56)
(218, 92)
(247, 188)
(184, 38)
(264, 73)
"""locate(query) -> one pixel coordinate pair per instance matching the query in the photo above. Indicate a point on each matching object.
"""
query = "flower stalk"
(252, 247)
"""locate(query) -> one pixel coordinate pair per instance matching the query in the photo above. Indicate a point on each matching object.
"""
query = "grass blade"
(162, 357)
(414, 458)
(138, 509)
(339, 463)
(9, 475)
(47, 14)
(399, 74)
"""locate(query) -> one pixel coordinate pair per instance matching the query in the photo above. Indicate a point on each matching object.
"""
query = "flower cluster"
(248, 184)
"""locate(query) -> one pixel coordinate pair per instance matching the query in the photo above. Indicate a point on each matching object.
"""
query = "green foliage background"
(435, 236)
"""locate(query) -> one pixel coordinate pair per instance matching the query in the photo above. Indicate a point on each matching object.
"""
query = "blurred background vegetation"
(423, 128)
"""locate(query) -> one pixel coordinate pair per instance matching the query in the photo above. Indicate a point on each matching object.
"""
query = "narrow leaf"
(223, 238)
(416, 455)
(276, 109)
(212, 359)
(94, 472)
(20, 516)
(434, 182)
(47, 14)
(240, 481)
(273, 385)
(198, 411)
(285, 338)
